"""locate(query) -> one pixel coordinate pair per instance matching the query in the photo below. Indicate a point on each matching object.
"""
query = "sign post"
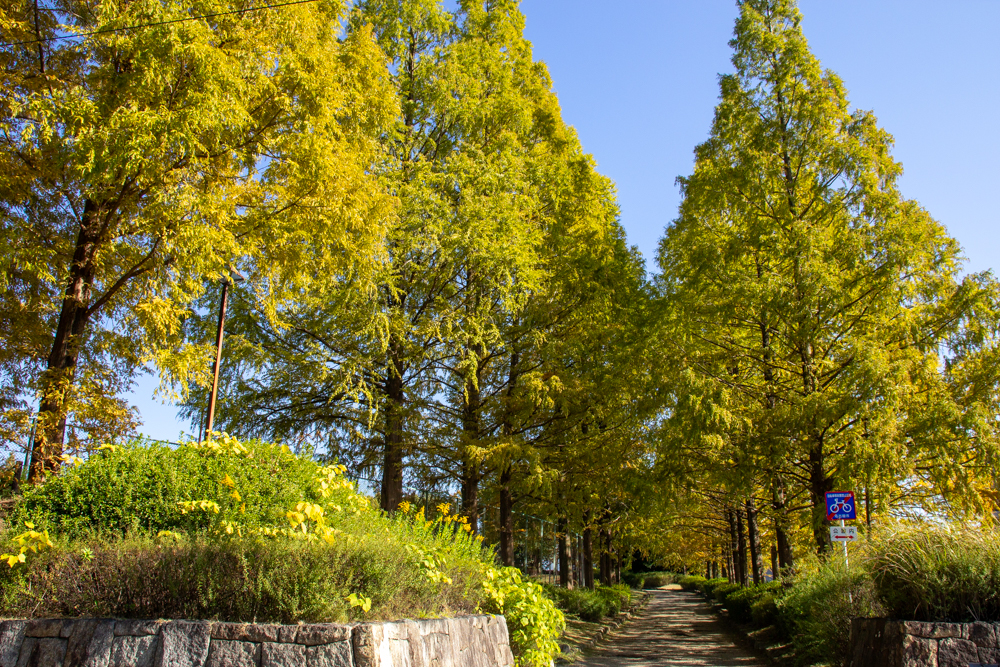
(841, 505)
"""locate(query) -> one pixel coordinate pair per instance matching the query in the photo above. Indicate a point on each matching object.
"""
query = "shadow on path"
(675, 628)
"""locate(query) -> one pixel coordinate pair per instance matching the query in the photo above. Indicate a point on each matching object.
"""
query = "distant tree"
(810, 298)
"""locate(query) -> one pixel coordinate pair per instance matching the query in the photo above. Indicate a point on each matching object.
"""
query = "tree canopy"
(435, 288)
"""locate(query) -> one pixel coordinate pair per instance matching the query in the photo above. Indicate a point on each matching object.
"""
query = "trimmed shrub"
(590, 605)
(618, 597)
(708, 587)
(722, 590)
(764, 611)
(738, 602)
(137, 487)
(657, 579)
(252, 579)
(691, 582)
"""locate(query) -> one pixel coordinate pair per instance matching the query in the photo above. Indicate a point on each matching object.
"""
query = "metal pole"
(218, 358)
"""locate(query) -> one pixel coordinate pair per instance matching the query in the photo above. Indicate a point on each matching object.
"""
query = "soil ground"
(676, 628)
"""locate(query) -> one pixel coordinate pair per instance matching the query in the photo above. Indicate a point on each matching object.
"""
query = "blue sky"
(639, 82)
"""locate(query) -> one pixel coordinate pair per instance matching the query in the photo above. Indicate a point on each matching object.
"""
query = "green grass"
(946, 573)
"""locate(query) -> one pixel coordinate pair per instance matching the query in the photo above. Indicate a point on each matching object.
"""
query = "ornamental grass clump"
(937, 573)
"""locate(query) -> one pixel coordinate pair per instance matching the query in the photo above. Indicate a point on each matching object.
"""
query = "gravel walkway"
(675, 628)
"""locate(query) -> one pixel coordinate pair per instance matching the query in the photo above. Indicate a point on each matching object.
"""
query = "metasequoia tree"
(810, 298)
(461, 253)
(148, 149)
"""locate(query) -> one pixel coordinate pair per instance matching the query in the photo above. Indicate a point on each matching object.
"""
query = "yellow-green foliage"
(533, 621)
(191, 488)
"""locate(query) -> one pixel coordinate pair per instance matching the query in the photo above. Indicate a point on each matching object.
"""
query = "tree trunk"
(785, 559)
(507, 474)
(774, 562)
(471, 476)
(605, 557)
(819, 484)
(506, 517)
(565, 569)
(392, 465)
(471, 437)
(756, 558)
(588, 557)
(734, 547)
(56, 381)
(742, 547)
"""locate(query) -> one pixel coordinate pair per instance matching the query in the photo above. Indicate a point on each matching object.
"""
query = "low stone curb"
(473, 641)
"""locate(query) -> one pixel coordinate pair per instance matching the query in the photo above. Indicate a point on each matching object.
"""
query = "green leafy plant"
(534, 622)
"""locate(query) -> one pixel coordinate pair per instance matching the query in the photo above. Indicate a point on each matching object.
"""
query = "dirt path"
(676, 628)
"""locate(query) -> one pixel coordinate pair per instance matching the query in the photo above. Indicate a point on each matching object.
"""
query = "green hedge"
(590, 605)
(137, 487)
(708, 586)
(691, 582)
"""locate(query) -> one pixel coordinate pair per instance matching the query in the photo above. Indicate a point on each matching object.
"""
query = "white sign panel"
(843, 534)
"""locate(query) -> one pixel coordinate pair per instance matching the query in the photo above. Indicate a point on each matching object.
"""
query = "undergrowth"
(250, 532)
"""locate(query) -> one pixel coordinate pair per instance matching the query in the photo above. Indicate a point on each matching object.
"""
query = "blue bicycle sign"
(840, 505)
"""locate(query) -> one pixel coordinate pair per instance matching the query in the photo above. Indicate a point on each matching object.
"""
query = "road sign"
(843, 534)
(840, 505)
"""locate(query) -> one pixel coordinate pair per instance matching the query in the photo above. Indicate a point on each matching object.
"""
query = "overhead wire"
(156, 23)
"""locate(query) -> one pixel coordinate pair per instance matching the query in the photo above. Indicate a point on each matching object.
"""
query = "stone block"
(932, 630)
(433, 626)
(133, 651)
(954, 652)
(366, 640)
(28, 647)
(183, 644)
(919, 652)
(875, 642)
(44, 627)
(42, 652)
(322, 633)
(90, 643)
(989, 656)
(134, 628)
(223, 653)
(282, 655)
(983, 635)
(246, 632)
(11, 638)
(287, 633)
(338, 654)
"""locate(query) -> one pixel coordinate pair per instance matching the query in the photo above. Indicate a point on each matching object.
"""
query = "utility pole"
(223, 303)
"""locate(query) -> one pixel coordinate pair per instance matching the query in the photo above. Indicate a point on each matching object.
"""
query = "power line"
(149, 25)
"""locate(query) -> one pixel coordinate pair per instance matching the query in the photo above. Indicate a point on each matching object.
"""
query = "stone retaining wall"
(878, 642)
(466, 641)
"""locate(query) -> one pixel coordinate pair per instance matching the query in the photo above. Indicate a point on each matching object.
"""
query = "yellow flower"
(235, 495)
(404, 507)
(443, 509)
(228, 481)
